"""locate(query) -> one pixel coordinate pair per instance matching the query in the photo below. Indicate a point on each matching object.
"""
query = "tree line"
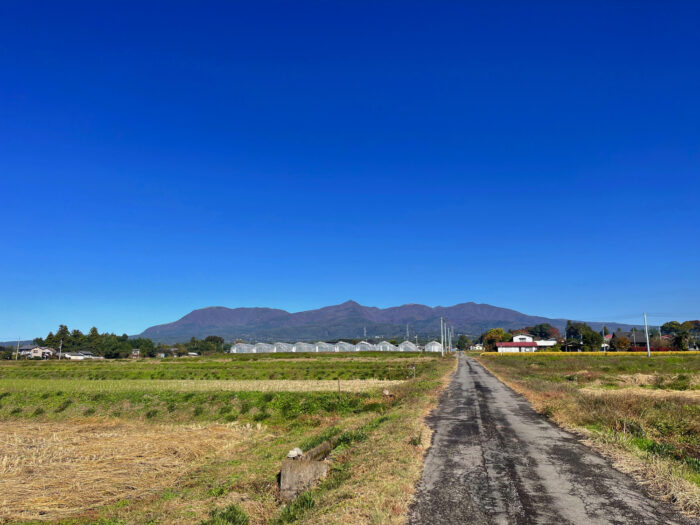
(672, 335)
(112, 346)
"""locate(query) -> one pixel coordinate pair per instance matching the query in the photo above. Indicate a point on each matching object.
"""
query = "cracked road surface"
(495, 460)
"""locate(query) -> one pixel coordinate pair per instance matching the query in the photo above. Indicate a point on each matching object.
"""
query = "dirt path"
(495, 460)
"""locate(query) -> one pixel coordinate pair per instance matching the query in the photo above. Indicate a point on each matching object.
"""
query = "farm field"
(642, 412)
(115, 442)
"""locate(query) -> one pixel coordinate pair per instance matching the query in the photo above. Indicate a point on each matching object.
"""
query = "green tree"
(670, 328)
(462, 342)
(493, 336)
(621, 343)
(580, 334)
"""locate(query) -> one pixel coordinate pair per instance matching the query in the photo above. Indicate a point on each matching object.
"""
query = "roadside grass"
(642, 412)
(182, 457)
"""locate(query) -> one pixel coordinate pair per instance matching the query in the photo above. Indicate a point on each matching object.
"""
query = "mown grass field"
(201, 440)
(645, 412)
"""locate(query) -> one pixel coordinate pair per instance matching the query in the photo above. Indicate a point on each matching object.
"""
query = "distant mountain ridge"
(347, 320)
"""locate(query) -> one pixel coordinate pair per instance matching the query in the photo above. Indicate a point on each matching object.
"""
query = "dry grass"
(385, 469)
(187, 385)
(679, 395)
(53, 470)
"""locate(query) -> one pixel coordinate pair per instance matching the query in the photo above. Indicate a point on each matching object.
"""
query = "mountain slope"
(346, 320)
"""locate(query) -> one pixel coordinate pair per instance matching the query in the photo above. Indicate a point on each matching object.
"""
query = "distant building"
(523, 342)
(386, 346)
(516, 346)
(283, 347)
(364, 346)
(324, 347)
(81, 355)
(407, 346)
(41, 352)
(343, 346)
(477, 346)
(433, 346)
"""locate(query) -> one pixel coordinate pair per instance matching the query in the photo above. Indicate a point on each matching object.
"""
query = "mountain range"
(348, 320)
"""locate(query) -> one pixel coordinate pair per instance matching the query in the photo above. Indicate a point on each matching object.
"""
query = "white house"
(525, 343)
(477, 346)
(433, 346)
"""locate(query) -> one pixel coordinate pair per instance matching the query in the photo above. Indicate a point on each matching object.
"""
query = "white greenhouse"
(408, 346)
(264, 348)
(283, 347)
(433, 346)
(386, 346)
(303, 347)
(364, 346)
(242, 348)
(324, 347)
(342, 346)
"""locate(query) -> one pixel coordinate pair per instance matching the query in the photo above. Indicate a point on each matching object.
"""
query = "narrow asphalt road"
(495, 460)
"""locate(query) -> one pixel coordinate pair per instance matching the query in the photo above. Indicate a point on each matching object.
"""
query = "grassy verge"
(641, 412)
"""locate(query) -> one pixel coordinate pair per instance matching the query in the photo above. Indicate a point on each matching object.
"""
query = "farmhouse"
(524, 343)
(41, 352)
(516, 346)
(81, 355)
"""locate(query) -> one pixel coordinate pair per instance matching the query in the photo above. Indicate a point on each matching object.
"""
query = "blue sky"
(161, 157)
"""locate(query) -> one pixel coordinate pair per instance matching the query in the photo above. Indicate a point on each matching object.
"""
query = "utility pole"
(646, 332)
(60, 346)
(407, 336)
(442, 336)
(17, 352)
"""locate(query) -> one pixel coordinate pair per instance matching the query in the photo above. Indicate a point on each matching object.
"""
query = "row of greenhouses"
(341, 346)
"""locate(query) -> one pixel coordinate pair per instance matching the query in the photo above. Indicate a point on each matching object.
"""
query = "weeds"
(295, 510)
(231, 515)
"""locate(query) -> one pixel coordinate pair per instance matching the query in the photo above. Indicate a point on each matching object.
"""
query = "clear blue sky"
(161, 157)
